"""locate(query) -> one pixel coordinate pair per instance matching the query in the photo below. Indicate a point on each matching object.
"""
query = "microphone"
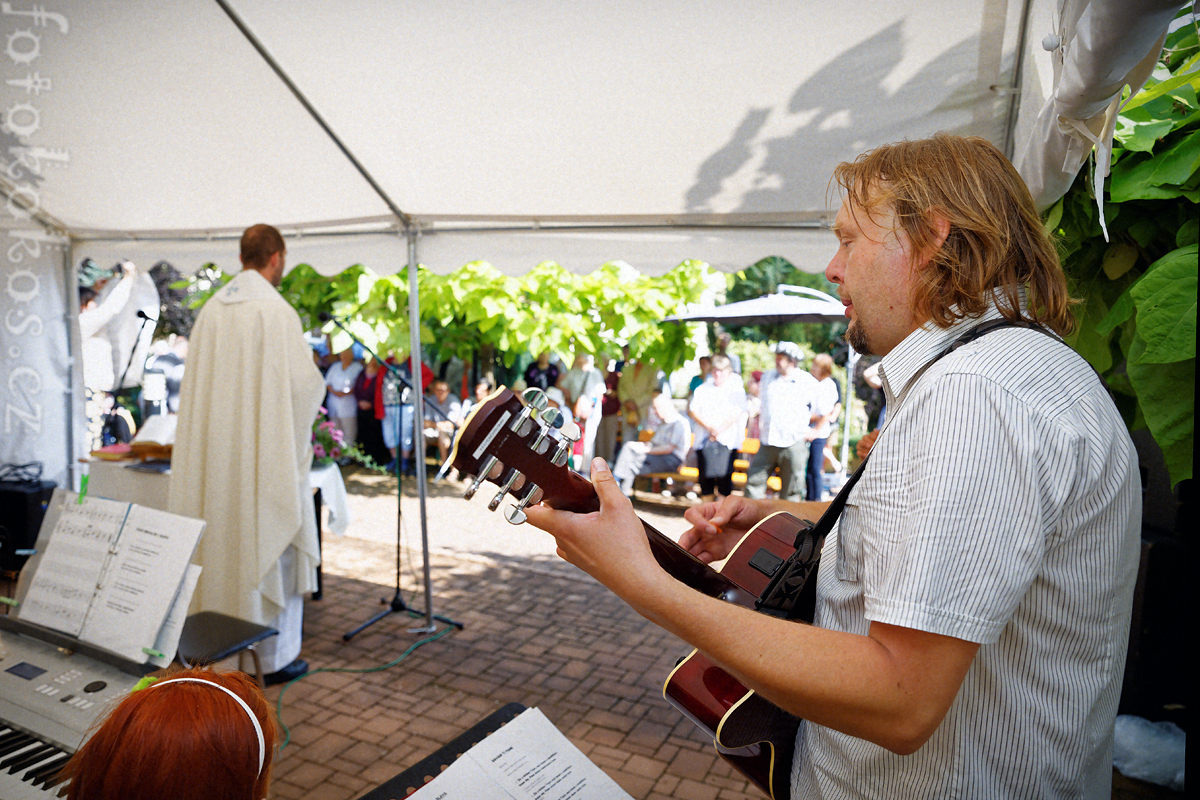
(325, 316)
(143, 315)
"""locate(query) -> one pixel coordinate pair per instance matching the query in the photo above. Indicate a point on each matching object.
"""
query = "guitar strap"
(790, 593)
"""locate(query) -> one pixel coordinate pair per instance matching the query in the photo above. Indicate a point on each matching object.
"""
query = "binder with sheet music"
(112, 574)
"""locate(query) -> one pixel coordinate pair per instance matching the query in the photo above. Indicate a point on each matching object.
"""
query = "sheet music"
(527, 759)
(172, 628)
(140, 580)
(69, 563)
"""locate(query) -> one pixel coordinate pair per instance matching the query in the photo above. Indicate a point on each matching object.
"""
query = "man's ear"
(941, 227)
(940, 224)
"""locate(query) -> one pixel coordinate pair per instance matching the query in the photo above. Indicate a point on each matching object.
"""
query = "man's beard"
(857, 338)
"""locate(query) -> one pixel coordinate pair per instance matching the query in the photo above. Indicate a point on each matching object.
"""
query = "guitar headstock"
(523, 445)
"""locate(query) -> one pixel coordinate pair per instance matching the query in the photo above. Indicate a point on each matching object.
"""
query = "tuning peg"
(570, 434)
(551, 419)
(535, 398)
(484, 469)
(494, 503)
(535, 401)
(516, 514)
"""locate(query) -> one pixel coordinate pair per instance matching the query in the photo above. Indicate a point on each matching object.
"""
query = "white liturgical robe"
(242, 455)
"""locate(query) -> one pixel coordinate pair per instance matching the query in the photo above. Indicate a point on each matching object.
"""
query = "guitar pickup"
(765, 562)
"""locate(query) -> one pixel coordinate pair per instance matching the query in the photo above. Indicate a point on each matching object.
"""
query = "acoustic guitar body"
(756, 737)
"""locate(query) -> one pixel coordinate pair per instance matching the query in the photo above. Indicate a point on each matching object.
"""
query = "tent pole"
(414, 338)
(1008, 146)
(852, 357)
(74, 471)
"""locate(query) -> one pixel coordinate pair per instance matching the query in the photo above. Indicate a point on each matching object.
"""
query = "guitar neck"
(689, 570)
(494, 430)
(576, 493)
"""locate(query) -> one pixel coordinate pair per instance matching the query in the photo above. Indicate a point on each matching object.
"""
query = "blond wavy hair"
(996, 242)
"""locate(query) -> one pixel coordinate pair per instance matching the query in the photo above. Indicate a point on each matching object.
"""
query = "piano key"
(33, 768)
(36, 763)
(16, 744)
(46, 771)
(30, 757)
(11, 735)
(12, 788)
(21, 786)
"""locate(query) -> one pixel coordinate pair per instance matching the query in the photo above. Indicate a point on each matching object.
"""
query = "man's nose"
(833, 270)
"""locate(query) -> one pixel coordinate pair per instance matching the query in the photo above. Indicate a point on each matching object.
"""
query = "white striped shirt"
(1001, 506)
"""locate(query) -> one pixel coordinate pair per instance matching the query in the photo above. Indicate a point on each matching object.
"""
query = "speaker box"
(22, 507)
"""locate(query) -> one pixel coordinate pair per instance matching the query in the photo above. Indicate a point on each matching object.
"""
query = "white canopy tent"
(441, 133)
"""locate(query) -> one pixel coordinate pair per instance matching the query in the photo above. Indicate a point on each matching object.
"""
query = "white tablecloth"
(328, 478)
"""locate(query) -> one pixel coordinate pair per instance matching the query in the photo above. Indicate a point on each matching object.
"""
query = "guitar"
(524, 448)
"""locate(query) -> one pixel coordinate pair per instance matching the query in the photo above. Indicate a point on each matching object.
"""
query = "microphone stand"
(112, 412)
(396, 605)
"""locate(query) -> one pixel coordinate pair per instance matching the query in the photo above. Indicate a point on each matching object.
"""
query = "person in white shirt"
(340, 401)
(718, 412)
(973, 598)
(787, 394)
(826, 409)
(583, 389)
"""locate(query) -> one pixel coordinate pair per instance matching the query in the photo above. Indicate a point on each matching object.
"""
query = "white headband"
(262, 748)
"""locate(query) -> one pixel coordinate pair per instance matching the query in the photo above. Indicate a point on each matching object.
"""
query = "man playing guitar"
(973, 601)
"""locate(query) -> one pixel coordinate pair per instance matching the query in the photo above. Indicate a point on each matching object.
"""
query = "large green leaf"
(1145, 177)
(1165, 298)
(1167, 396)
(1187, 233)
(1119, 259)
(1179, 162)
(1142, 136)
(1182, 87)
(1119, 314)
(1089, 340)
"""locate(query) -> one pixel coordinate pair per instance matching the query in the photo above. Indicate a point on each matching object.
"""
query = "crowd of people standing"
(629, 417)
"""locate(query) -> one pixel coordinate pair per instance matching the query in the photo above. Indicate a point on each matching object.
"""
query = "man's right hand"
(717, 527)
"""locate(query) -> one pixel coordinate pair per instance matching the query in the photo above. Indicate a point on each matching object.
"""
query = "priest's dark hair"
(259, 243)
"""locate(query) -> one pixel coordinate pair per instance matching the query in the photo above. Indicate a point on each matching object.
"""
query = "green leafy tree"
(1137, 315)
(479, 312)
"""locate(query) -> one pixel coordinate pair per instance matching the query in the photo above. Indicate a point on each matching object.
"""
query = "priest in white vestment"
(243, 452)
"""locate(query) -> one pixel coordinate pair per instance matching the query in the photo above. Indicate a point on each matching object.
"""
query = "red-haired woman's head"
(185, 737)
